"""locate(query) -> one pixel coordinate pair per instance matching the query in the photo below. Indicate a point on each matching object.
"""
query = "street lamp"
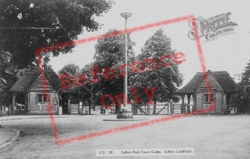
(125, 15)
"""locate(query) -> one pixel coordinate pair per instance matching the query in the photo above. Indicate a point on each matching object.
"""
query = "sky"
(230, 52)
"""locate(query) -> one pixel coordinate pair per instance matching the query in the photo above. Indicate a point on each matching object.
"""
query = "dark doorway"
(20, 104)
(64, 104)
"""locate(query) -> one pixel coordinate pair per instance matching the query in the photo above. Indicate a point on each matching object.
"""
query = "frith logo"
(212, 27)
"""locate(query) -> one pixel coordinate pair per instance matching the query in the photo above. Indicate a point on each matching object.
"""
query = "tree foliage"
(242, 98)
(246, 75)
(26, 25)
(70, 69)
(86, 88)
(102, 75)
(53, 22)
(110, 50)
(165, 80)
(7, 78)
(109, 56)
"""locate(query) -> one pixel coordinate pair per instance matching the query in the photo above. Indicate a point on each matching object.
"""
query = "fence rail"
(161, 109)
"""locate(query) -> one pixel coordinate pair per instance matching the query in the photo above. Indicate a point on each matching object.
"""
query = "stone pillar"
(182, 104)
(69, 107)
(134, 108)
(57, 103)
(224, 104)
(26, 103)
(194, 102)
(171, 106)
(13, 104)
(148, 109)
(188, 107)
(228, 98)
(188, 96)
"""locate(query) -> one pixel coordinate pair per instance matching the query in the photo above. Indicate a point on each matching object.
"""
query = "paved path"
(210, 136)
(7, 136)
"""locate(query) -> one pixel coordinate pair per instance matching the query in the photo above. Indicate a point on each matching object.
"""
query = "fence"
(161, 109)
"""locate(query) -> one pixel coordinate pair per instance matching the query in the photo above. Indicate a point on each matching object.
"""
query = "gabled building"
(222, 87)
(34, 91)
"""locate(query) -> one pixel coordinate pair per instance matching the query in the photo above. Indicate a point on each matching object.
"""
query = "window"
(42, 98)
(208, 98)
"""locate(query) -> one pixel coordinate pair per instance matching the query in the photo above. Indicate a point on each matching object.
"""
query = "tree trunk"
(154, 109)
(93, 102)
(91, 98)
(89, 101)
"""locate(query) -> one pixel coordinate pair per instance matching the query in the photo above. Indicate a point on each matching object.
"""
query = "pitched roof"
(222, 77)
(225, 81)
(54, 79)
(29, 77)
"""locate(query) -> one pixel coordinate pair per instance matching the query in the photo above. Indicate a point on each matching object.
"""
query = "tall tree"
(71, 69)
(109, 58)
(242, 99)
(156, 79)
(246, 74)
(67, 74)
(7, 77)
(26, 25)
(85, 87)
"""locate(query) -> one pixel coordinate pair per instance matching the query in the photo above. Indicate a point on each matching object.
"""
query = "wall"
(199, 101)
(217, 92)
(42, 108)
(34, 107)
(217, 102)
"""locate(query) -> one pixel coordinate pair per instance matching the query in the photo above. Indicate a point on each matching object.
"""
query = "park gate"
(161, 109)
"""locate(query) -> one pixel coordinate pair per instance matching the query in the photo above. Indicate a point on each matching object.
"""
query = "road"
(210, 136)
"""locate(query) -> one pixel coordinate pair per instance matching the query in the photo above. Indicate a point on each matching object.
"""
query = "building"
(222, 87)
(69, 101)
(35, 92)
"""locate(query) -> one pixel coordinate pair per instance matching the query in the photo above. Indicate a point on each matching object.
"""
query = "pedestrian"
(117, 107)
(103, 110)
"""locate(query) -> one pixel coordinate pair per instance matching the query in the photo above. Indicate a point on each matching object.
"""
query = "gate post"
(148, 109)
(170, 105)
(69, 107)
(80, 108)
(13, 103)
(182, 104)
(134, 108)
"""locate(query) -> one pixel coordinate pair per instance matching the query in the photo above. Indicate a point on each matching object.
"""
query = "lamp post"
(125, 15)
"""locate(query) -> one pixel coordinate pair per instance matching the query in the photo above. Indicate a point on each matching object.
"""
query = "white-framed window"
(42, 98)
(208, 98)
